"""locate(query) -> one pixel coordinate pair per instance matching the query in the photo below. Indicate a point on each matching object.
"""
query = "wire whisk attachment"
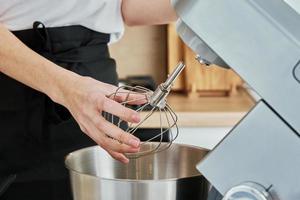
(154, 105)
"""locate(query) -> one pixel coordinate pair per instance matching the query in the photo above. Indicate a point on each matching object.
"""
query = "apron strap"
(43, 34)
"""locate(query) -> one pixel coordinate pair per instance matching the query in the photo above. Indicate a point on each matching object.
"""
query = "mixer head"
(154, 105)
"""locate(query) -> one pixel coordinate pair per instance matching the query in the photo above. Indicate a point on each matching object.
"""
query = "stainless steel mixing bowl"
(168, 175)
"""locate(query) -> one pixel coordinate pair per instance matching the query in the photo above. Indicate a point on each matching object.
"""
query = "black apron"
(36, 134)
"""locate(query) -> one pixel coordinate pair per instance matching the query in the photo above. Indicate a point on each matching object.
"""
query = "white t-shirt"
(99, 15)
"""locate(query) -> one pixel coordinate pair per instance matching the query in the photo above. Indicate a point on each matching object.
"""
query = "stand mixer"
(260, 39)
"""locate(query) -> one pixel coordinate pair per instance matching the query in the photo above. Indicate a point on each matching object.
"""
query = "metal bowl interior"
(179, 161)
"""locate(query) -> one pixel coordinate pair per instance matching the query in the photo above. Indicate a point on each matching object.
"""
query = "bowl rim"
(132, 180)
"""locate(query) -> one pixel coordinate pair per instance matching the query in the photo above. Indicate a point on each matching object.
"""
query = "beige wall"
(142, 51)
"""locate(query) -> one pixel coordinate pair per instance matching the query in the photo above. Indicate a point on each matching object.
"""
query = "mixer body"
(260, 40)
(260, 149)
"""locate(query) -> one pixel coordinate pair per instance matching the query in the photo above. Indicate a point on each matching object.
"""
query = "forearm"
(26, 66)
(147, 12)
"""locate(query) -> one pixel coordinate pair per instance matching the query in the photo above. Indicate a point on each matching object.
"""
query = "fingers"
(115, 132)
(113, 147)
(121, 95)
(118, 156)
(116, 146)
(86, 106)
(130, 98)
(117, 109)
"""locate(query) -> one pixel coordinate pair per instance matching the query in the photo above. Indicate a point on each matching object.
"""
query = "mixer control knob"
(248, 191)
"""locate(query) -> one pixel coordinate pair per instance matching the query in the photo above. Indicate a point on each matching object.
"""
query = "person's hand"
(86, 99)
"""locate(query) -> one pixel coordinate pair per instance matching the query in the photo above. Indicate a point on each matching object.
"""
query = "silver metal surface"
(248, 191)
(158, 98)
(168, 175)
(173, 76)
(205, 54)
(296, 72)
(260, 40)
(202, 60)
(260, 149)
(155, 103)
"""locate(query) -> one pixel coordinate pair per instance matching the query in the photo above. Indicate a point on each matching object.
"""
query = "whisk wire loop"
(149, 103)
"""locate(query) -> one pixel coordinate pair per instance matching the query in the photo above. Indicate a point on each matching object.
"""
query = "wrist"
(64, 86)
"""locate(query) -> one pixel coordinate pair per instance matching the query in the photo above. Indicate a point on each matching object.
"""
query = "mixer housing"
(260, 40)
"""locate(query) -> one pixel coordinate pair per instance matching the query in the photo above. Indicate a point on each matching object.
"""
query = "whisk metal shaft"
(158, 98)
(172, 77)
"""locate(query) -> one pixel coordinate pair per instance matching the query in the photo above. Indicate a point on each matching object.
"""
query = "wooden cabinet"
(198, 79)
(156, 50)
(142, 52)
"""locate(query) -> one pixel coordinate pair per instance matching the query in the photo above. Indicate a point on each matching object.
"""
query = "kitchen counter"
(206, 111)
